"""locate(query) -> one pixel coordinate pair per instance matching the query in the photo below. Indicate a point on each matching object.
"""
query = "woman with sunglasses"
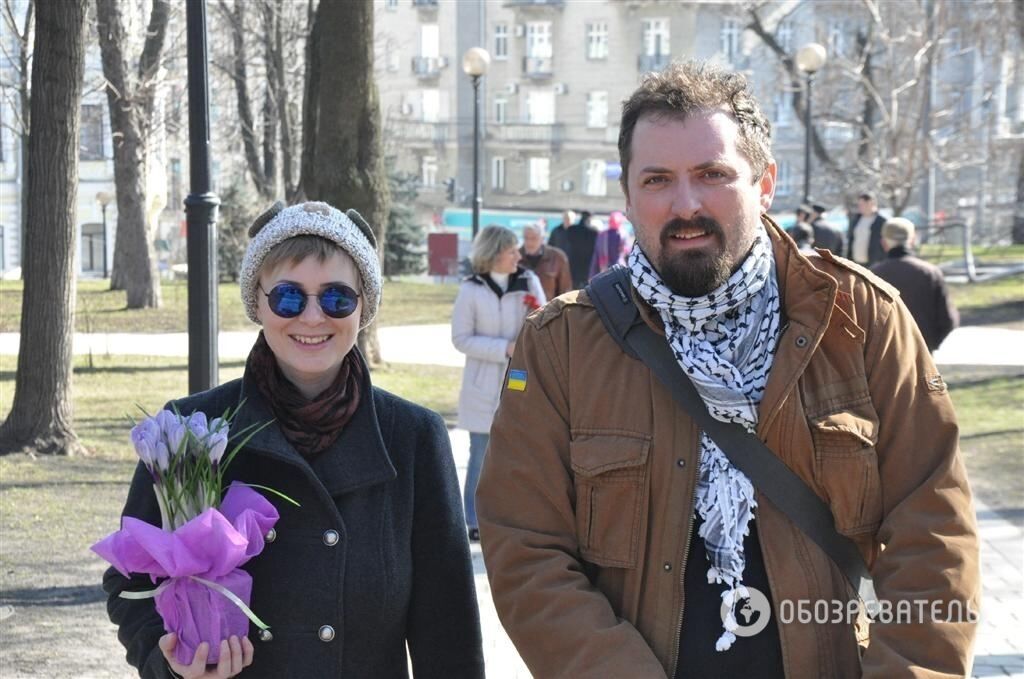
(375, 559)
(488, 314)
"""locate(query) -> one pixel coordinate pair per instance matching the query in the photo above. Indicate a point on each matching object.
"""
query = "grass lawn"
(992, 254)
(100, 309)
(999, 302)
(118, 385)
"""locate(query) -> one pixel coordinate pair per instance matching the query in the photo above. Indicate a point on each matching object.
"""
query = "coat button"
(681, 462)
(801, 341)
(326, 633)
(265, 635)
(331, 538)
(271, 535)
(667, 566)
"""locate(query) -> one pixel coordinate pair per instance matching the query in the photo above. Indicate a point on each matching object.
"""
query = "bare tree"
(1017, 232)
(131, 97)
(40, 418)
(342, 162)
(23, 38)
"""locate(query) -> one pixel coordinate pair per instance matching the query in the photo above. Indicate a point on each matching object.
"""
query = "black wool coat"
(399, 569)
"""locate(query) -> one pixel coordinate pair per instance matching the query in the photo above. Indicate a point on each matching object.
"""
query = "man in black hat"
(826, 235)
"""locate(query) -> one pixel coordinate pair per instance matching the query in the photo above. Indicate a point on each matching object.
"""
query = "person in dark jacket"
(825, 235)
(559, 236)
(865, 239)
(582, 237)
(375, 559)
(921, 284)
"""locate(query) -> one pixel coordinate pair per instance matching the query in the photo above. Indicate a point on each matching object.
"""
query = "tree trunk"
(346, 164)
(24, 101)
(1017, 234)
(40, 417)
(283, 110)
(131, 115)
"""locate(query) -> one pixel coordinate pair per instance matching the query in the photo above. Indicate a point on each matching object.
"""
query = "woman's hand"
(510, 349)
(235, 655)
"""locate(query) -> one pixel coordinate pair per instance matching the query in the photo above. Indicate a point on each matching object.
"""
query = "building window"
(501, 41)
(595, 179)
(836, 35)
(597, 40)
(540, 107)
(430, 41)
(597, 109)
(431, 105)
(91, 144)
(538, 40)
(500, 110)
(174, 197)
(540, 174)
(392, 56)
(93, 246)
(656, 37)
(391, 5)
(784, 178)
(784, 36)
(498, 173)
(729, 39)
(783, 111)
(428, 170)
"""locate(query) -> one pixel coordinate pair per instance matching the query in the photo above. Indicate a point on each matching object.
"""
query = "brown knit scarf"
(310, 426)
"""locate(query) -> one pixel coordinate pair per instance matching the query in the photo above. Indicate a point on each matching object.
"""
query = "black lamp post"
(475, 62)
(104, 198)
(201, 210)
(809, 59)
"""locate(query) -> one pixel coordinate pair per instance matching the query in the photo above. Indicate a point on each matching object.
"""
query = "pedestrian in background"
(921, 284)
(489, 311)
(559, 236)
(549, 263)
(825, 235)
(610, 246)
(865, 238)
(580, 248)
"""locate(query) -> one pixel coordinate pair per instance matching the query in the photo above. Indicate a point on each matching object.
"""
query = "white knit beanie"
(348, 230)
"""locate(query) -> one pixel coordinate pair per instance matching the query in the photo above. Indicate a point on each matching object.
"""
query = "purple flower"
(145, 437)
(174, 430)
(198, 426)
(218, 439)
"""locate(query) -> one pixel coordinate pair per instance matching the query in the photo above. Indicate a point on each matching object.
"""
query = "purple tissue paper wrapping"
(211, 546)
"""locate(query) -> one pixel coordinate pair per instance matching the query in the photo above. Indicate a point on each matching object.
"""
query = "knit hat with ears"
(346, 229)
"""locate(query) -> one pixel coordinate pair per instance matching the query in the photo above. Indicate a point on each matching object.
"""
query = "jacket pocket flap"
(594, 454)
(845, 425)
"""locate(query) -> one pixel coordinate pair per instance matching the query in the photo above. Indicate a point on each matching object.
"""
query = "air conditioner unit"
(561, 88)
(520, 30)
(442, 62)
(512, 88)
(567, 185)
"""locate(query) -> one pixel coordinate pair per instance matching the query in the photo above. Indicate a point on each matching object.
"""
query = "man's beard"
(693, 273)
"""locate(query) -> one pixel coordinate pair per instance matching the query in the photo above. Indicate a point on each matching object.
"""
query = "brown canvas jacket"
(587, 492)
(552, 269)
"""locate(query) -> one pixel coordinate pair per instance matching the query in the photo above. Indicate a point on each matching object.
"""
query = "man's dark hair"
(867, 196)
(686, 88)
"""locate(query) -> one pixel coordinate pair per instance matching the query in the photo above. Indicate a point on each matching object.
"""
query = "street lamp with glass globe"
(104, 198)
(474, 63)
(810, 59)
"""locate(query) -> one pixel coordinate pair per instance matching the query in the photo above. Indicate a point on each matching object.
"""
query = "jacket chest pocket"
(611, 476)
(846, 465)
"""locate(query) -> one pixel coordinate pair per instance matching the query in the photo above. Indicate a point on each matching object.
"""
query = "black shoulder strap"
(609, 291)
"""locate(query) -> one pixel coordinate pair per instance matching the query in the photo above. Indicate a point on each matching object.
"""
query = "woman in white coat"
(489, 311)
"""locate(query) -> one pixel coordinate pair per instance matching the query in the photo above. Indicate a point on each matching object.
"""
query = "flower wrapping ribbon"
(201, 561)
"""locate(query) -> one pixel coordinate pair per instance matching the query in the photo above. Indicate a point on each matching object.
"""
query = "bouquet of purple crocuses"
(195, 555)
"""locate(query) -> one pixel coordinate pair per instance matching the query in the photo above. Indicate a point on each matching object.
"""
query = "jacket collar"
(897, 252)
(516, 282)
(358, 458)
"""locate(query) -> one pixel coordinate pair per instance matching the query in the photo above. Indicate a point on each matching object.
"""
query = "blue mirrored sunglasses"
(288, 300)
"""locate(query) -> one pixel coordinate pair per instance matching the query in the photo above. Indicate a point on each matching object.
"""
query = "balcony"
(527, 133)
(428, 68)
(653, 62)
(538, 68)
(534, 4)
(417, 131)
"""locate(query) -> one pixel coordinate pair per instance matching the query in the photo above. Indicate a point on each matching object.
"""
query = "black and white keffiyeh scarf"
(725, 341)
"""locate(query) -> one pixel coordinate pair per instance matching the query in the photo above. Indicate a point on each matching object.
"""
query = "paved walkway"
(1000, 646)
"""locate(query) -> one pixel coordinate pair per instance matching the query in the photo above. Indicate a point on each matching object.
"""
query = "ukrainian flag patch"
(517, 380)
